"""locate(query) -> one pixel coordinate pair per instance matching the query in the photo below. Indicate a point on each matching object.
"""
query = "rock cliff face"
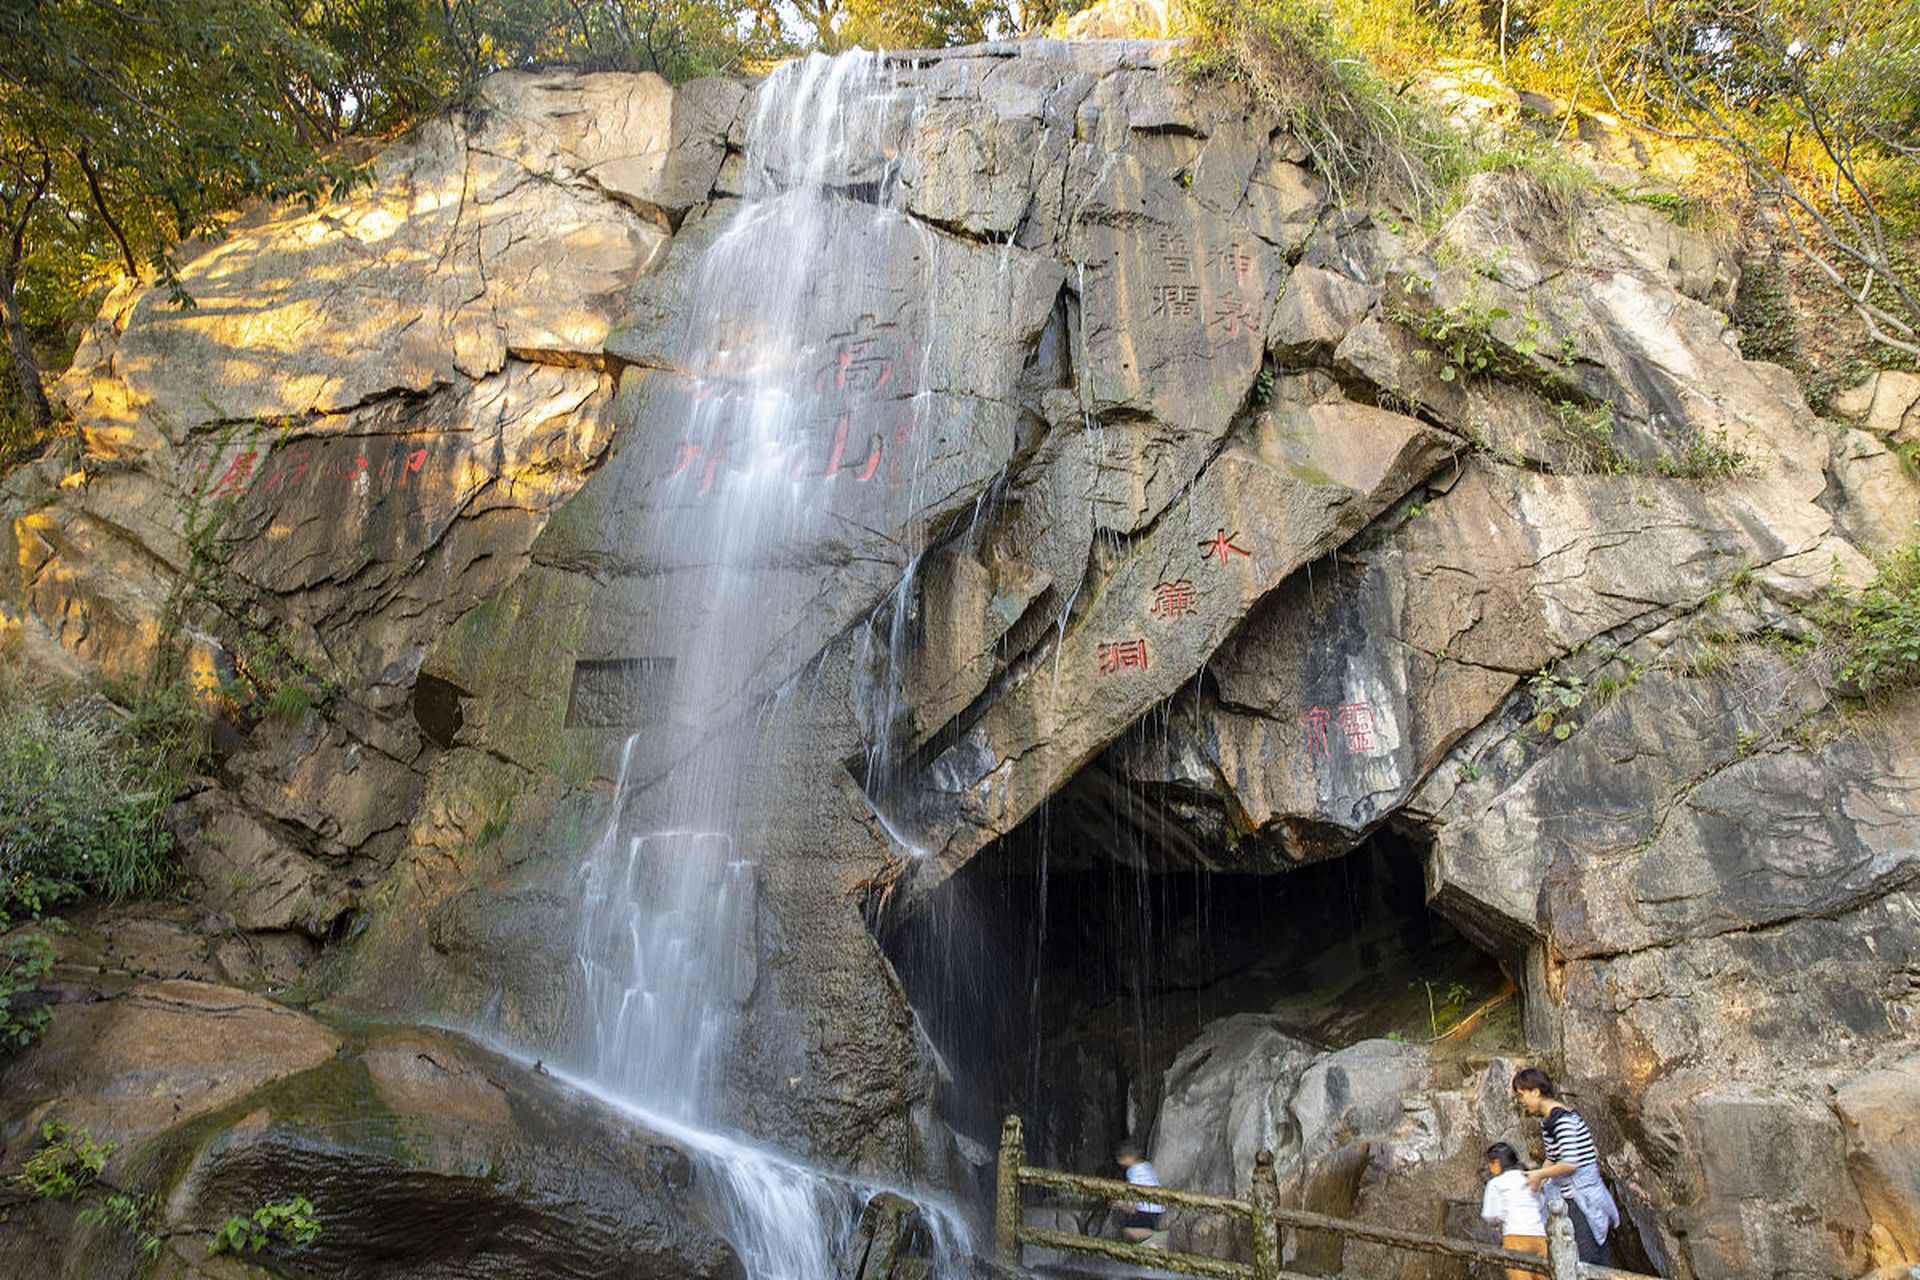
(1248, 499)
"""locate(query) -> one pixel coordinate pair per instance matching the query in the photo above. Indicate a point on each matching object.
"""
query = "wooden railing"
(1265, 1218)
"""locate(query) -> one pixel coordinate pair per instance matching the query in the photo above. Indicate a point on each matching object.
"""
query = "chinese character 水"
(1316, 718)
(1222, 544)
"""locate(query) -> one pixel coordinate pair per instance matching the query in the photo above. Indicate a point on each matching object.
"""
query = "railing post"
(1006, 1194)
(1562, 1252)
(1264, 1199)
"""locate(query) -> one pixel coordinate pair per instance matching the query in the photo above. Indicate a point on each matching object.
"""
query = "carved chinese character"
(1172, 599)
(861, 364)
(872, 464)
(1356, 721)
(1234, 315)
(236, 475)
(1236, 264)
(1175, 301)
(1175, 257)
(1316, 719)
(1127, 655)
(1222, 544)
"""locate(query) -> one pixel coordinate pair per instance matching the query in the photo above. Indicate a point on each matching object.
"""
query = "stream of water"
(665, 939)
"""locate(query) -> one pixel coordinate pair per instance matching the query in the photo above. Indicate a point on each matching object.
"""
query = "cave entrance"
(1059, 981)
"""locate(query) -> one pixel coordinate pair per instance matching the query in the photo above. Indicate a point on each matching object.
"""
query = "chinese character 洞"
(1172, 599)
(1127, 655)
(1316, 720)
(1222, 544)
(236, 475)
(1172, 301)
(1356, 721)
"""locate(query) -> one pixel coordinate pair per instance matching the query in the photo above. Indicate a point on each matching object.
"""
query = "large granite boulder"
(421, 1153)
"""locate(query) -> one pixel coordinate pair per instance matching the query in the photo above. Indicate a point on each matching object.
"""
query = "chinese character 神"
(1175, 300)
(1124, 656)
(1172, 599)
(1316, 719)
(1238, 263)
(1356, 721)
(1222, 544)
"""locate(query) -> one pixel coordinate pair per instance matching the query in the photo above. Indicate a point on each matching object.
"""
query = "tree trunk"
(32, 393)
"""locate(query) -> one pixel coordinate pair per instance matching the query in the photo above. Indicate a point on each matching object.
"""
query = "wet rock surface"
(1188, 503)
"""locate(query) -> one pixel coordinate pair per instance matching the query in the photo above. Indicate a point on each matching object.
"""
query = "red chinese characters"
(1173, 600)
(1223, 545)
(1354, 720)
(1236, 305)
(321, 466)
(1124, 655)
(234, 480)
(851, 405)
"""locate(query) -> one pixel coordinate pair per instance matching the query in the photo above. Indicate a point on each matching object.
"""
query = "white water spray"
(794, 413)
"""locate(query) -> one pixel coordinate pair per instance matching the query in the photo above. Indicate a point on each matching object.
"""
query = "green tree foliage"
(124, 128)
(1816, 101)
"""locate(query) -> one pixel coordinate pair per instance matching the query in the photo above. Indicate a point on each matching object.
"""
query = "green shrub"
(66, 1164)
(292, 1221)
(84, 788)
(1312, 70)
(81, 805)
(1587, 436)
(140, 1215)
(1556, 695)
(1705, 456)
(1882, 625)
(26, 956)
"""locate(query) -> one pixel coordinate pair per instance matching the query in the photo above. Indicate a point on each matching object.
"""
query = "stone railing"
(1264, 1216)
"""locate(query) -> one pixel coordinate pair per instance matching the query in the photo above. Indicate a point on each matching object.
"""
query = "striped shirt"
(1140, 1174)
(1568, 1139)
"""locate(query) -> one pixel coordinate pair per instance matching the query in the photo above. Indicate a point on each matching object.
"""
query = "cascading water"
(774, 410)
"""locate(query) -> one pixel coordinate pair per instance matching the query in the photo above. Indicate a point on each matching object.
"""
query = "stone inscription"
(1173, 600)
(1223, 545)
(615, 693)
(329, 467)
(863, 420)
(1123, 655)
(1177, 288)
(1353, 721)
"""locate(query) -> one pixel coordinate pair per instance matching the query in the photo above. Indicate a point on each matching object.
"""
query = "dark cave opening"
(1058, 981)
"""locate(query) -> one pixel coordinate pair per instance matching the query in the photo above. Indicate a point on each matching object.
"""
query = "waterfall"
(765, 441)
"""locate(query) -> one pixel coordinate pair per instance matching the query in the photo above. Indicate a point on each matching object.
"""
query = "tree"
(124, 128)
(1818, 101)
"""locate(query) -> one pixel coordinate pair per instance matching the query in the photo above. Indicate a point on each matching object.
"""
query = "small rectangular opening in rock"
(615, 693)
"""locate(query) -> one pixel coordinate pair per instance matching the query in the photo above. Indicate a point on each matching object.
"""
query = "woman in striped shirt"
(1572, 1165)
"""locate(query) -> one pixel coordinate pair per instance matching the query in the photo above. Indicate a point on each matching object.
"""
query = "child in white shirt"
(1517, 1207)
